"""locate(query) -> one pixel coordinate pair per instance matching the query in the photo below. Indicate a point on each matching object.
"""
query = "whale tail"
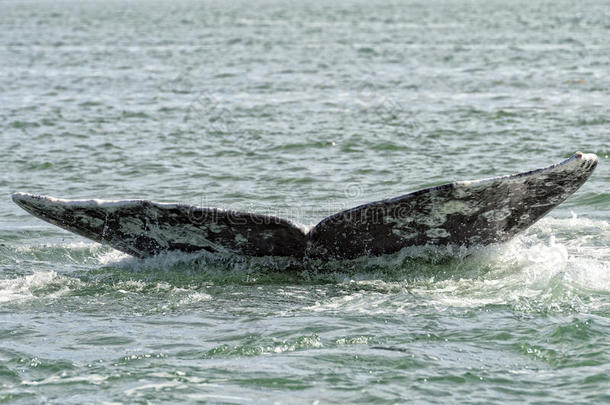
(478, 212)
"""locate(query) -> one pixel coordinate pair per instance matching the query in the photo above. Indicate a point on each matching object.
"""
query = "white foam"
(89, 379)
(24, 288)
(557, 263)
(560, 263)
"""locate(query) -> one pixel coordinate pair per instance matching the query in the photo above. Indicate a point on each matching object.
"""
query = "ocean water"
(300, 109)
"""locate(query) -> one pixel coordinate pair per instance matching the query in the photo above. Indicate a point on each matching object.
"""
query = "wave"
(558, 265)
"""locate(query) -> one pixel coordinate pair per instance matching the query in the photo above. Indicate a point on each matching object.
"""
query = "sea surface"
(301, 109)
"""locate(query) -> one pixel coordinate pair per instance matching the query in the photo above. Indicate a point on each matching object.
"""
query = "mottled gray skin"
(145, 228)
(461, 213)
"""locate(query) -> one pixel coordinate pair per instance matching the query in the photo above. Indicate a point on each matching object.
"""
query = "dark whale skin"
(464, 213)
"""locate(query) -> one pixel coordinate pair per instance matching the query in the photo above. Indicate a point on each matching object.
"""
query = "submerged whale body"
(465, 213)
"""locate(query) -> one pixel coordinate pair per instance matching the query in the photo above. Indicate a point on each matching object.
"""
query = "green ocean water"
(301, 109)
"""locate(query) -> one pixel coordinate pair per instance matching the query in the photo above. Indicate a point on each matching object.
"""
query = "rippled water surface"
(300, 109)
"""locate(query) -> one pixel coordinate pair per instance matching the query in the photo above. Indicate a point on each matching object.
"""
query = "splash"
(48, 284)
(559, 264)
